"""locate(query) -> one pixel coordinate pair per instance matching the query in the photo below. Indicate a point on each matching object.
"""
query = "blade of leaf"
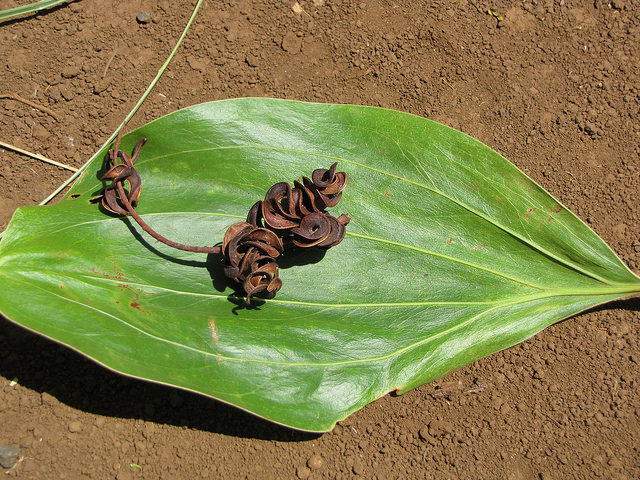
(452, 254)
(30, 8)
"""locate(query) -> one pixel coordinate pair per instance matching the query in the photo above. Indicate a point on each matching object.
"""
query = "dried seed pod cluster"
(250, 253)
(119, 173)
(294, 215)
(286, 216)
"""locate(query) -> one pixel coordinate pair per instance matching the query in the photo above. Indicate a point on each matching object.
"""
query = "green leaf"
(30, 8)
(452, 254)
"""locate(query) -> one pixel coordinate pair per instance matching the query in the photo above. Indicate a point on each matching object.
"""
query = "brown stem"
(156, 235)
(35, 105)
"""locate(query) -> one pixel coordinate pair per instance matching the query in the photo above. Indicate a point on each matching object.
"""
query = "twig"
(35, 105)
(106, 67)
(37, 156)
(18, 462)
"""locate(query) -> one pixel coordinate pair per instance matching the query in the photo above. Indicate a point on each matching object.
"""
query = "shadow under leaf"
(43, 366)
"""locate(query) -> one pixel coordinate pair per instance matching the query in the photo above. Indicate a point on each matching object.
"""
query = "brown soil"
(553, 85)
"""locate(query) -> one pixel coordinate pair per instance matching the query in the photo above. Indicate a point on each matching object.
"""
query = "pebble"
(143, 17)
(75, 426)
(303, 473)
(358, 467)
(252, 60)
(101, 85)
(601, 337)
(66, 92)
(315, 462)
(9, 455)
(440, 427)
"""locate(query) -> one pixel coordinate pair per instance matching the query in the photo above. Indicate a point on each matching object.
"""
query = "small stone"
(99, 422)
(68, 142)
(143, 18)
(601, 337)
(624, 328)
(615, 463)
(538, 374)
(75, 426)
(252, 60)
(148, 430)
(303, 473)
(358, 467)
(200, 64)
(618, 5)
(439, 428)
(9, 455)
(315, 462)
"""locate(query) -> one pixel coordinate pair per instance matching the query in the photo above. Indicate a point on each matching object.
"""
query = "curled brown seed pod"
(329, 184)
(329, 181)
(116, 199)
(284, 208)
(250, 253)
(263, 280)
(119, 173)
(320, 230)
(296, 214)
(279, 209)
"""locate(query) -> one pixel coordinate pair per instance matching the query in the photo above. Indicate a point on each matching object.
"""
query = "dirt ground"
(551, 84)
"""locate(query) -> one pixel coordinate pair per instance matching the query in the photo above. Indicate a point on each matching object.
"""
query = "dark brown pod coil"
(119, 173)
(329, 184)
(320, 229)
(298, 213)
(250, 253)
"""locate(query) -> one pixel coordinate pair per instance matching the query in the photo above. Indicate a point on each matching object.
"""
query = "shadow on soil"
(45, 366)
(74, 380)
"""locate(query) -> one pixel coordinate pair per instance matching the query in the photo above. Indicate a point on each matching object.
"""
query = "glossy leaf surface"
(452, 254)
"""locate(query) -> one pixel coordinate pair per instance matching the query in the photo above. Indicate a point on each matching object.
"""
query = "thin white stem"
(37, 156)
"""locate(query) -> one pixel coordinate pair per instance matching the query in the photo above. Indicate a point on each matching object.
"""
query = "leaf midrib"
(348, 233)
